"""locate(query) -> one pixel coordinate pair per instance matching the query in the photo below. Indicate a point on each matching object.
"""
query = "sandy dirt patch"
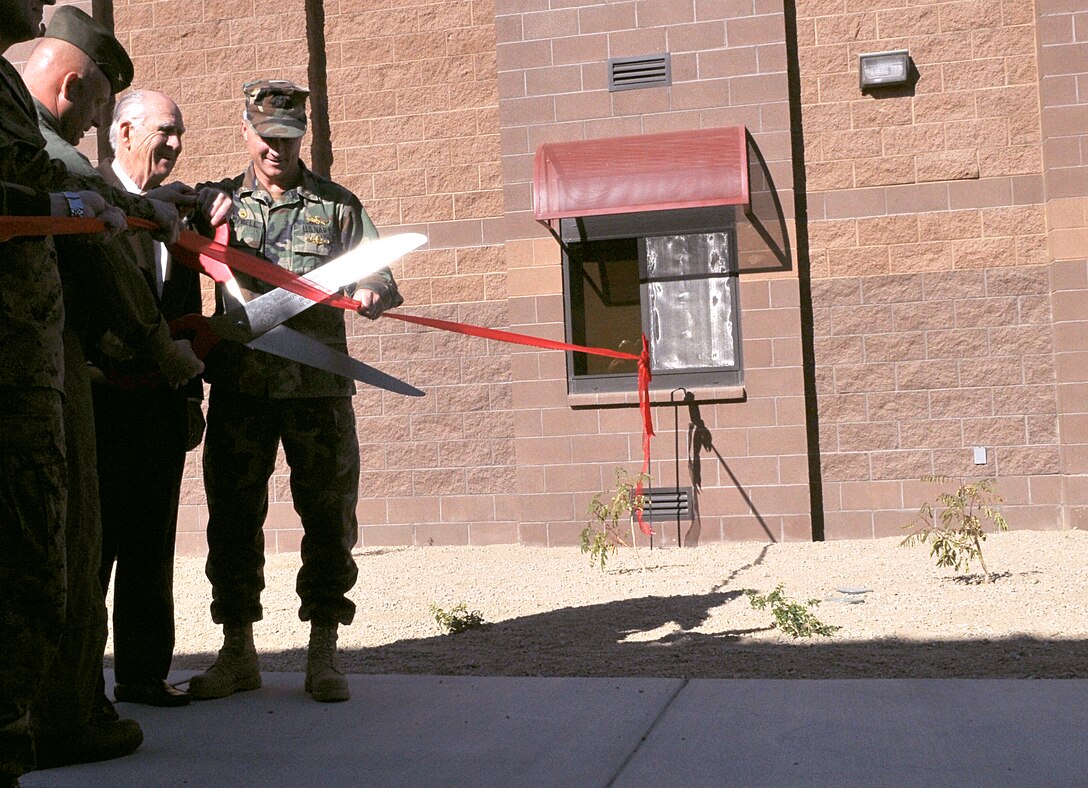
(552, 614)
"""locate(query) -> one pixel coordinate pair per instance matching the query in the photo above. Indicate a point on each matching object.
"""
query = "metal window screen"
(689, 301)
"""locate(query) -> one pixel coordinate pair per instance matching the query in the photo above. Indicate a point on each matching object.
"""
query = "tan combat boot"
(235, 670)
(324, 679)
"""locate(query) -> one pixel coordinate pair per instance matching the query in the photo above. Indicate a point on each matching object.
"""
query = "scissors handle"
(204, 336)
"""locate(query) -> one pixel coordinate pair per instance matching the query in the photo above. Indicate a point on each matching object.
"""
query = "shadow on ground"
(654, 637)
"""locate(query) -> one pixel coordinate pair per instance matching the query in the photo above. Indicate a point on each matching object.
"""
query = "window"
(669, 274)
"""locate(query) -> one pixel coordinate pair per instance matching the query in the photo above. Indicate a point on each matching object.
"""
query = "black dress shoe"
(155, 693)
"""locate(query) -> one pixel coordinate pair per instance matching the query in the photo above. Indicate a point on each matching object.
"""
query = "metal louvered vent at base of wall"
(644, 71)
(667, 503)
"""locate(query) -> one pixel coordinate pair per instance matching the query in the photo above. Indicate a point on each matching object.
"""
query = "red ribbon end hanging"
(644, 378)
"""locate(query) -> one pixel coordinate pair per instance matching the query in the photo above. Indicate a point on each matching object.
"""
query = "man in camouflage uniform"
(285, 214)
(33, 477)
(71, 73)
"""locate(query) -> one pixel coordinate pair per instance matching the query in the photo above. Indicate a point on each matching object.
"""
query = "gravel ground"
(685, 615)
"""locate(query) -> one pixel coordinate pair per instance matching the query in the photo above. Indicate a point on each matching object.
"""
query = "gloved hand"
(180, 364)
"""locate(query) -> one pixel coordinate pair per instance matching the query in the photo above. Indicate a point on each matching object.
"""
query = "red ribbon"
(217, 260)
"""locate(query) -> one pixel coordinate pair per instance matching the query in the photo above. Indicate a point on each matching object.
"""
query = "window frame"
(639, 226)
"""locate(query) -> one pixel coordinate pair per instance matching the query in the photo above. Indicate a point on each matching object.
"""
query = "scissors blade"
(290, 344)
(253, 318)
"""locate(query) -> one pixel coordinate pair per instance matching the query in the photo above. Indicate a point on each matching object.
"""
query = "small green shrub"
(457, 619)
(792, 617)
(957, 534)
(604, 534)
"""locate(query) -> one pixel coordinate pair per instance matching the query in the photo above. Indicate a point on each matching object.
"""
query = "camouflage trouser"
(322, 450)
(32, 572)
(70, 691)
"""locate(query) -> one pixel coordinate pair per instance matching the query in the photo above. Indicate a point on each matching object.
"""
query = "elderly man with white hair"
(143, 426)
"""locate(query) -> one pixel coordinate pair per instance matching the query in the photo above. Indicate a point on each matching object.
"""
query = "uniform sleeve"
(18, 201)
(356, 226)
(117, 295)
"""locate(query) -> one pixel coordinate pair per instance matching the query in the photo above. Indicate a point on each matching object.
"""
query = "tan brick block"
(1035, 310)
(974, 74)
(898, 140)
(1016, 220)
(1013, 160)
(931, 434)
(956, 403)
(897, 405)
(888, 230)
(993, 311)
(934, 256)
(1021, 70)
(1036, 399)
(949, 225)
(470, 40)
(826, 59)
(958, 343)
(939, 48)
(854, 378)
(1025, 130)
(884, 171)
(947, 165)
(889, 112)
(901, 464)
(867, 437)
(965, 134)
(1007, 369)
(846, 320)
(1038, 369)
(864, 261)
(1042, 430)
(1026, 341)
(972, 15)
(926, 374)
(833, 234)
(830, 176)
(1004, 41)
(826, 117)
(894, 23)
(895, 347)
(945, 107)
(839, 408)
(995, 431)
(483, 147)
(985, 253)
(845, 28)
(1027, 460)
(837, 87)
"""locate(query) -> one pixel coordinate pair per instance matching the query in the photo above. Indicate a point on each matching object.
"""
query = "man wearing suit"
(144, 427)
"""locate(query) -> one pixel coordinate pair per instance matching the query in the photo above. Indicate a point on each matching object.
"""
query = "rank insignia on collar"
(243, 213)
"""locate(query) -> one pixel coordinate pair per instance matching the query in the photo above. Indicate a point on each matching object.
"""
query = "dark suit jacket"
(180, 292)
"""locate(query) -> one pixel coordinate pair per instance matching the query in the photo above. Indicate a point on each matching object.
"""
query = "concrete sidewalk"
(467, 731)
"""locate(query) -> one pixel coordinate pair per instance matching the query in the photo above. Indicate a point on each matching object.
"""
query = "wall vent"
(644, 71)
(667, 503)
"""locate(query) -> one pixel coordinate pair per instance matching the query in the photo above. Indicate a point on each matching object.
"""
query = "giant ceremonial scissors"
(258, 323)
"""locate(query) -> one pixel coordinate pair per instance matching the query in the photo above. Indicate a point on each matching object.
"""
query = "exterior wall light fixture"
(884, 69)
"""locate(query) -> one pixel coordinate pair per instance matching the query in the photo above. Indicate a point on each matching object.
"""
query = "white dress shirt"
(162, 257)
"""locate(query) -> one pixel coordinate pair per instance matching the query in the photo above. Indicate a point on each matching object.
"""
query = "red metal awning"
(651, 172)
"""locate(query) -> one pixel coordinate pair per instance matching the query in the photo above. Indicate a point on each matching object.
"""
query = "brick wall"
(729, 68)
(1063, 61)
(414, 132)
(929, 256)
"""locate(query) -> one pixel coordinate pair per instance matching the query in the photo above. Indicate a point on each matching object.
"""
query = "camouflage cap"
(74, 26)
(276, 107)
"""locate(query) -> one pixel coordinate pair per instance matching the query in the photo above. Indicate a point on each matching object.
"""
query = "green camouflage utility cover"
(276, 108)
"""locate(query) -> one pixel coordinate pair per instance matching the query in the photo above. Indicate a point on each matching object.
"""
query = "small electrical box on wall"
(980, 455)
